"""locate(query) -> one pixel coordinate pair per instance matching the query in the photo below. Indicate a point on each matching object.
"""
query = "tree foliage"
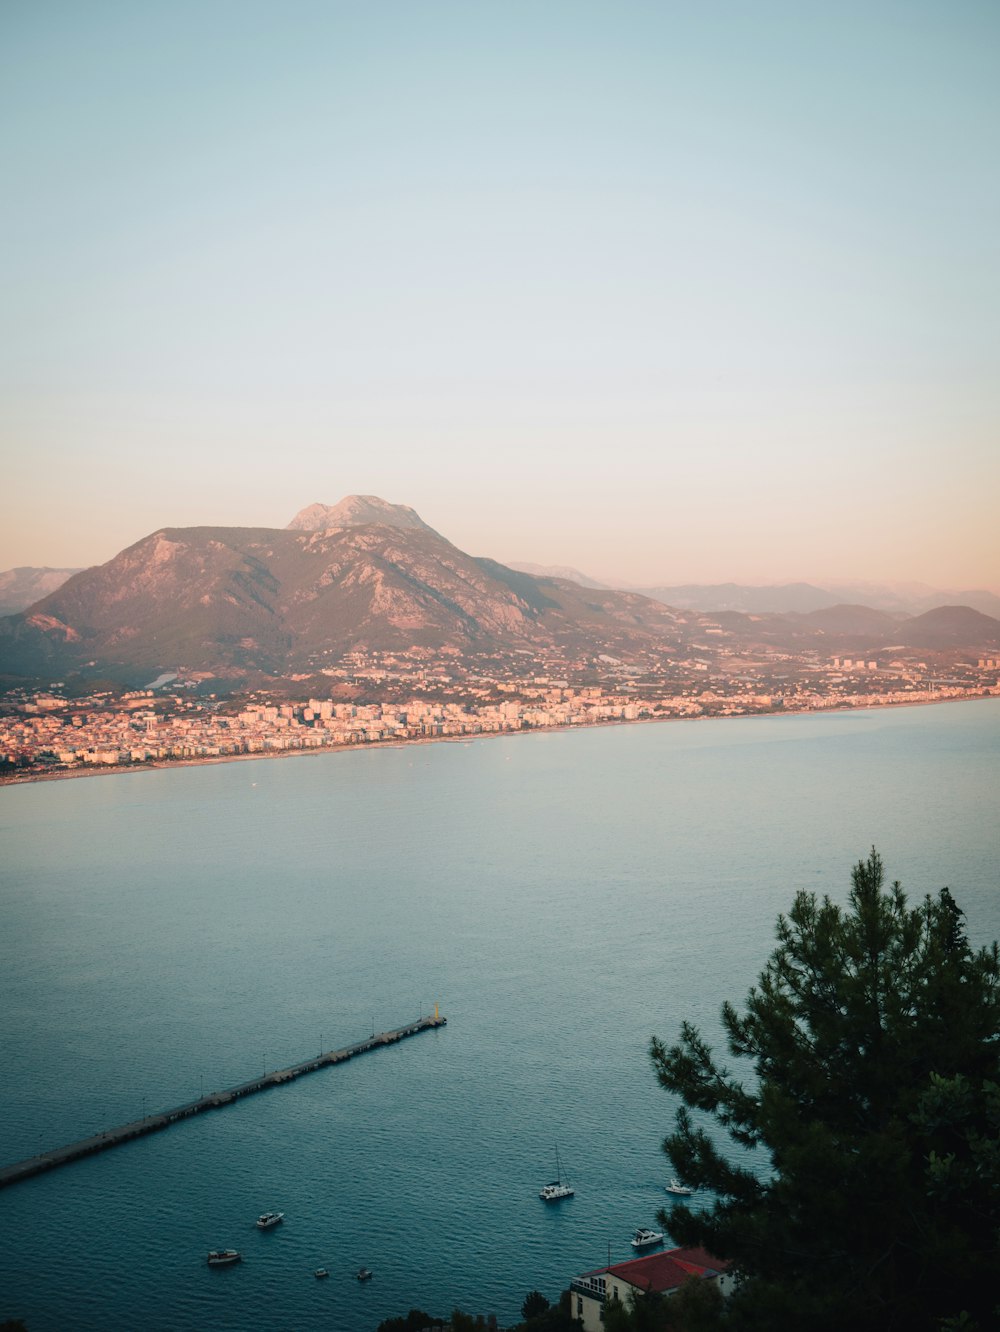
(696, 1307)
(534, 1304)
(541, 1316)
(873, 1036)
(415, 1321)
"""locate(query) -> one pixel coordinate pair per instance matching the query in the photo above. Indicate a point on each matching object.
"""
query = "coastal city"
(378, 698)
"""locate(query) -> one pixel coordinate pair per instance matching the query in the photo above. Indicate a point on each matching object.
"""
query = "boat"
(321, 1272)
(223, 1257)
(365, 1274)
(557, 1189)
(268, 1219)
(678, 1189)
(643, 1238)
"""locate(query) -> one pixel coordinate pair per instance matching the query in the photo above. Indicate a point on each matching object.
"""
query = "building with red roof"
(661, 1273)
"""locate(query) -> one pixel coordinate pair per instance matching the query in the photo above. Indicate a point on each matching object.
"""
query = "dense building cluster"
(400, 698)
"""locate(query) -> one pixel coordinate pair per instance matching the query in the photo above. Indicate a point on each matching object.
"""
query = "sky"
(667, 292)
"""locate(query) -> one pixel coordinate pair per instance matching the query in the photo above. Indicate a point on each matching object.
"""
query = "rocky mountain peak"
(357, 511)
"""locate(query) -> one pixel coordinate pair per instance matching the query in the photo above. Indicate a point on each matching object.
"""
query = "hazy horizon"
(664, 294)
(899, 585)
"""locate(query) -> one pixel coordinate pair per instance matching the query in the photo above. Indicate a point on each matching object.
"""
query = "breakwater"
(161, 1119)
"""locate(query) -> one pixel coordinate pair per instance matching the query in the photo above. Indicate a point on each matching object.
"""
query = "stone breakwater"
(99, 1142)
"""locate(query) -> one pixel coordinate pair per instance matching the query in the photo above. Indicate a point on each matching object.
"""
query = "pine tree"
(872, 1042)
(534, 1304)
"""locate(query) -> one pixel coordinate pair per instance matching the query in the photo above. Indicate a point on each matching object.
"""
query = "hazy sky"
(666, 291)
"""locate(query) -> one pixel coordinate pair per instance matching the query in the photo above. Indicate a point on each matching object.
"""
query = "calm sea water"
(562, 896)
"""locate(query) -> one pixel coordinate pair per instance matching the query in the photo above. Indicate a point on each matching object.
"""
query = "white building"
(663, 1273)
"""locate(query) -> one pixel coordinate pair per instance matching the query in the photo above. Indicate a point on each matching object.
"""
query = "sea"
(561, 897)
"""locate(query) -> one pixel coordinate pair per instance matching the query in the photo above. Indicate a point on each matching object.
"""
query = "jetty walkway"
(161, 1119)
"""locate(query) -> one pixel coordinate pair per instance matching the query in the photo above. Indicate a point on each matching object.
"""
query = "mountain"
(283, 601)
(915, 598)
(365, 575)
(800, 597)
(851, 622)
(562, 571)
(861, 628)
(358, 511)
(22, 587)
(950, 627)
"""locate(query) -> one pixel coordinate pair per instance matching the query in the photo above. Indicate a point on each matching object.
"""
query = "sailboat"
(557, 1189)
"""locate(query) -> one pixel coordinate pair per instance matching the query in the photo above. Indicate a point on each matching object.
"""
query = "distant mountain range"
(782, 598)
(20, 588)
(854, 629)
(368, 575)
(560, 571)
(805, 597)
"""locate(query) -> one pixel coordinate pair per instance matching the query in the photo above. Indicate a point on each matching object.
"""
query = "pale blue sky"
(666, 291)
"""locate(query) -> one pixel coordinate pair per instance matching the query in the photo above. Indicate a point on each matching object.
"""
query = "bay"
(561, 896)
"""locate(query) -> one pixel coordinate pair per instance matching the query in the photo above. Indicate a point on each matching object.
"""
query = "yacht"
(268, 1219)
(321, 1272)
(557, 1189)
(678, 1189)
(222, 1257)
(643, 1239)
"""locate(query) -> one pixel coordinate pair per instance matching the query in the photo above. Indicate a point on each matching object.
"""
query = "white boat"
(365, 1274)
(222, 1257)
(557, 1189)
(643, 1238)
(268, 1219)
(554, 1191)
(321, 1272)
(678, 1189)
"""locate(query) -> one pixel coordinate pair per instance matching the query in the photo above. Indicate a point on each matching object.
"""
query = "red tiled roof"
(666, 1270)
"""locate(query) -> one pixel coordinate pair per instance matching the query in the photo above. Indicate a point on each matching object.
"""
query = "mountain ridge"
(366, 575)
(275, 600)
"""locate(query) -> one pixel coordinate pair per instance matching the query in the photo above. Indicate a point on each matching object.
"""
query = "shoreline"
(164, 765)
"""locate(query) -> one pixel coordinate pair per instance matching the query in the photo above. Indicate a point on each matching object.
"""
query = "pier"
(161, 1119)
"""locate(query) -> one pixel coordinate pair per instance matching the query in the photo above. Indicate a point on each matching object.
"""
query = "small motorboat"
(365, 1274)
(643, 1238)
(321, 1272)
(678, 1189)
(268, 1219)
(223, 1257)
